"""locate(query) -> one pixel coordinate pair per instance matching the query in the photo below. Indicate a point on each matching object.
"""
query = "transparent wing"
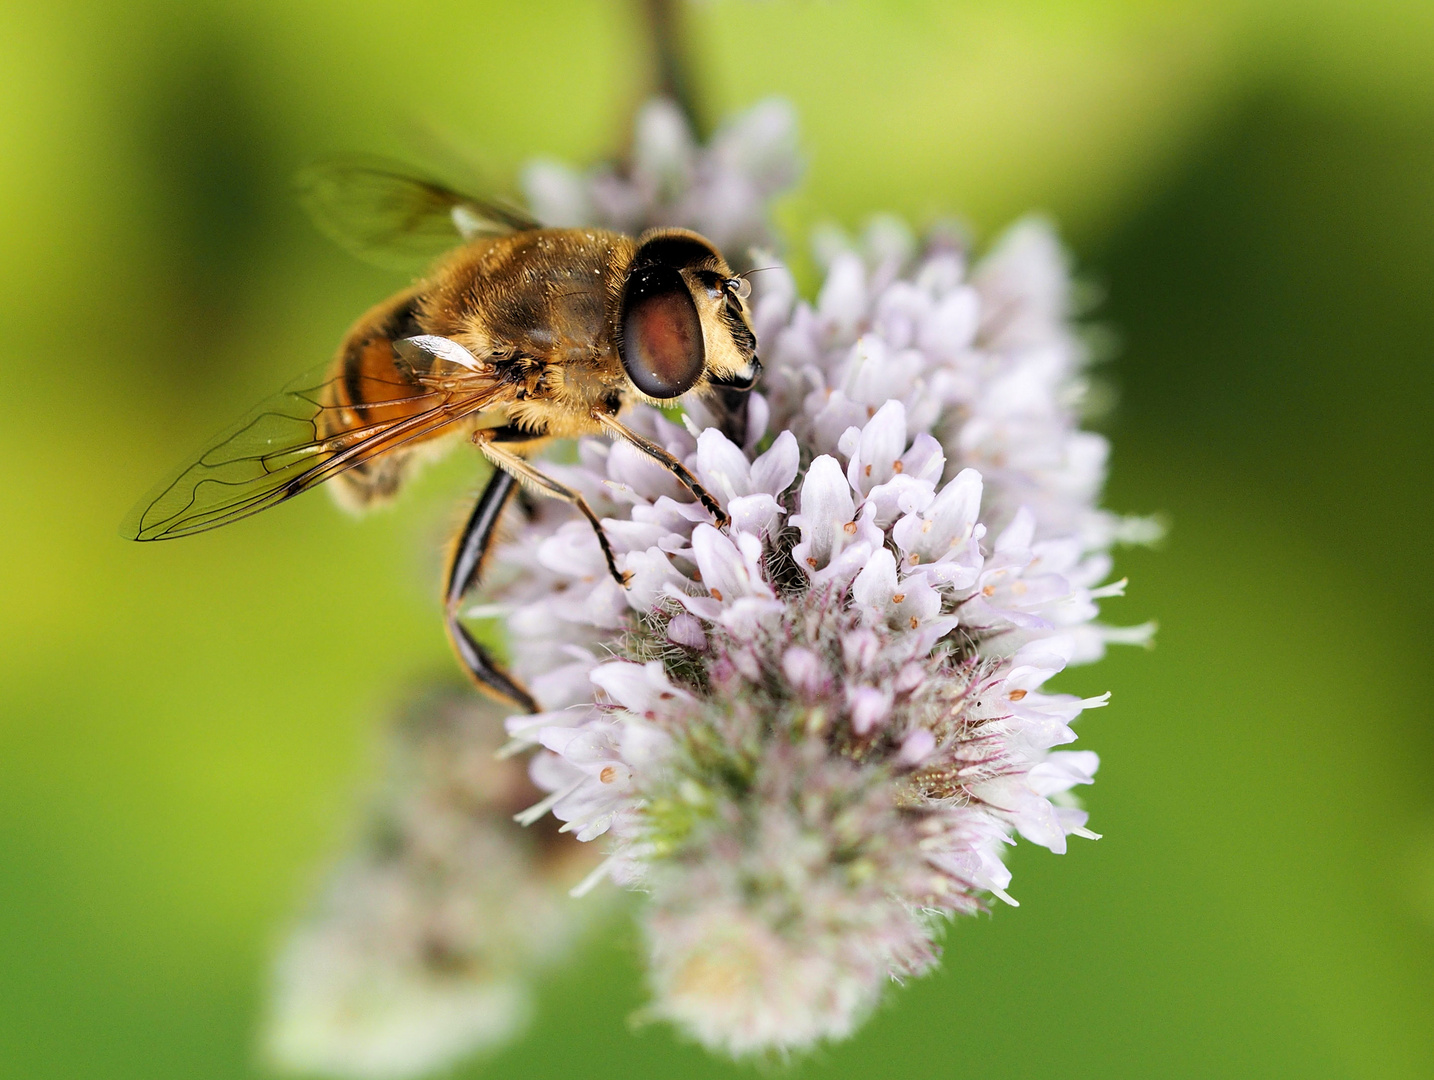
(312, 430)
(390, 215)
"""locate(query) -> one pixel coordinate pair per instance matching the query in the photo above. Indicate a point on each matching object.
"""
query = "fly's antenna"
(744, 287)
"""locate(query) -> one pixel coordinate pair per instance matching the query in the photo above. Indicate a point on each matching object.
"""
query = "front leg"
(675, 467)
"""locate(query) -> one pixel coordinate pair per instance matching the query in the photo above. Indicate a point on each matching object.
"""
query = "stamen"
(589, 883)
(538, 809)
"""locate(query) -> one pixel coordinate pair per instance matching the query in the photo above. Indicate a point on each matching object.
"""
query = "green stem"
(671, 57)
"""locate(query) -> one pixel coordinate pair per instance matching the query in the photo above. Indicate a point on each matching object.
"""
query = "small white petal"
(881, 445)
(842, 300)
(876, 584)
(641, 688)
(869, 708)
(804, 670)
(722, 467)
(775, 470)
(825, 509)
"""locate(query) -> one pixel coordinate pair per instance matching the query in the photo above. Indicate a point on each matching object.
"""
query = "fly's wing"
(389, 398)
(387, 214)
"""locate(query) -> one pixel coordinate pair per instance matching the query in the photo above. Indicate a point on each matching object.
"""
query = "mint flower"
(811, 736)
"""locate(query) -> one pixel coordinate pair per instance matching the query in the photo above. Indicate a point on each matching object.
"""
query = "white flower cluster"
(808, 734)
(422, 945)
(723, 190)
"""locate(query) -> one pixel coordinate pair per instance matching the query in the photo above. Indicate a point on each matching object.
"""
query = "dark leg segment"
(488, 675)
(729, 405)
(477, 535)
(464, 570)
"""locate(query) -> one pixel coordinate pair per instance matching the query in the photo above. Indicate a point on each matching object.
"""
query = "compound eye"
(662, 347)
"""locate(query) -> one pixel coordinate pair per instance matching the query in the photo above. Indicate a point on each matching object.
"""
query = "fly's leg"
(509, 462)
(670, 463)
(471, 549)
(465, 567)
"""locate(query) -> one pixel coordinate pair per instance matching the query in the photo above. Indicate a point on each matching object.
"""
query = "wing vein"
(299, 439)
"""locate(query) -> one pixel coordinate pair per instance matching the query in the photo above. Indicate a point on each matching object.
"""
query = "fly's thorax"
(541, 294)
(536, 305)
(563, 403)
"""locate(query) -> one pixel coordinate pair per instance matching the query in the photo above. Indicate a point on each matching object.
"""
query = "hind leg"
(465, 567)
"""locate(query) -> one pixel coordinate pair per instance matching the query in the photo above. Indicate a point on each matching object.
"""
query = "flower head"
(810, 734)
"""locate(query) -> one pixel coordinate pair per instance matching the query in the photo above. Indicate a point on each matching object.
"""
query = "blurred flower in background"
(723, 190)
(423, 942)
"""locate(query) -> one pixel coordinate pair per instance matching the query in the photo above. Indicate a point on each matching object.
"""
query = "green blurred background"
(184, 728)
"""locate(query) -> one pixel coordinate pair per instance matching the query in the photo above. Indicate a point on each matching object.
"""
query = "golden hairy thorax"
(536, 305)
(542, 306)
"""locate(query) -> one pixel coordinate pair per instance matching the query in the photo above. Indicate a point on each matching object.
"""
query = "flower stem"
(671, 58)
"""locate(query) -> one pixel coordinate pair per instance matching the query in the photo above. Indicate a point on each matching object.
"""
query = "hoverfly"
(520, 335)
